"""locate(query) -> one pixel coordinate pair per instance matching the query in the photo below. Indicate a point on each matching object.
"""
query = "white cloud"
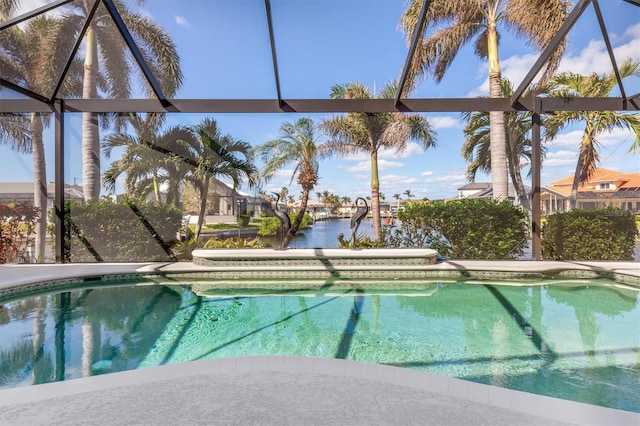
(26, 6)
(384, 164)
(453, 179)
(613, 138)
(560, 158)
(569, 139)
(361, 166)
(394, 181)
(386, 153)
(412, 149)
(444, 122)
(182, 21)
(593, 58)
(426, 173)
(365, 166)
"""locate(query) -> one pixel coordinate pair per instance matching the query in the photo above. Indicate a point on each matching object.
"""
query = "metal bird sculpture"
(285, 221)
(356, 218)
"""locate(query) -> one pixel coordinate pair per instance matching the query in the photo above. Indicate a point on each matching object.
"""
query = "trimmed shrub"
(463, 229)
(270, 226)
(244, 219)
(599, 234)
(127, 231)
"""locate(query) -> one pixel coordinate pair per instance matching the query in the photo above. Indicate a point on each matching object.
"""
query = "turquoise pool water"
(576, 341)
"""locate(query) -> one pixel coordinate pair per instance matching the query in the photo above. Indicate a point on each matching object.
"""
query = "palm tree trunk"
(156, 189)
(203, 206)
(90, 132)
(39, 326)
(518, 184)
(39, 185)
(90, 345)
(521, 191)
(576, 181)
(375, 196)
(296, 223)
(499, 179)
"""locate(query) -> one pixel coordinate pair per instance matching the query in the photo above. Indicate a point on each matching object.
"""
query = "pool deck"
(290, 390)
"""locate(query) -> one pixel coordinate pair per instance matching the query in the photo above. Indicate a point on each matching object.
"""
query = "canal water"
(324, 233)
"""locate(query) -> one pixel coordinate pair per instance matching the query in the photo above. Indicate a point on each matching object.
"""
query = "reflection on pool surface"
(578, 342)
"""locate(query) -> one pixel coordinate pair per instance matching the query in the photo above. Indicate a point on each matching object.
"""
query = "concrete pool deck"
(290, 390)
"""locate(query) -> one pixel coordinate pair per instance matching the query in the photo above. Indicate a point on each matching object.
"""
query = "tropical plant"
(17, 225)
(297, 144)
(151, 157)
(216, 155)
(458, 23)
(371, 132)
(476, 149)
(568, 85)
(27, 59)
(105, 50)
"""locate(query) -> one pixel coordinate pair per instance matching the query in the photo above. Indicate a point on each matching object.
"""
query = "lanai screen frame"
(39, 103)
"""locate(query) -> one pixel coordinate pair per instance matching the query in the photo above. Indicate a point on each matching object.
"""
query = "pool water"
(573, 341)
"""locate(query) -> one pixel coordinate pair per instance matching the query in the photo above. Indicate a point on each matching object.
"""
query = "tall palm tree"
(297, 144)
(476, 149)
(568, 84)
(370, 132)
(152, 156)
(105, 50)
(27, 59)
(458, 23)
(217, 155)
(409, 194)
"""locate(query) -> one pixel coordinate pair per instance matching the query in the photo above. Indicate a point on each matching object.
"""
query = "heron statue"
(356, 218)
(285, 221)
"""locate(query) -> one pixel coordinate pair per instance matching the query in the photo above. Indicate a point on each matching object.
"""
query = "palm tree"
(105, 50)
(217, 155)
(409, 194)
(151, 157)
(476, 149)
(27, 59)
(370, 132)
(568, 84)
(297, 144)
(458, 23)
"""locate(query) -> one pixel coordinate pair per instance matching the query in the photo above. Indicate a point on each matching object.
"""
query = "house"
(473, 188)
(605, 188)
(484, 190)
(19, 192)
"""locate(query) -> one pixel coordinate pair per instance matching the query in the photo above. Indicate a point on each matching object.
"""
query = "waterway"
(324, 233)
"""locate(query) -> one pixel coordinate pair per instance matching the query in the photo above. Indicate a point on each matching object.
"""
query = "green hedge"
(599, 234)
(270, 226)
(463, 229)
(127, 231)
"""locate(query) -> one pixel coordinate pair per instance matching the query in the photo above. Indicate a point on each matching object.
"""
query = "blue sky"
(225, 53)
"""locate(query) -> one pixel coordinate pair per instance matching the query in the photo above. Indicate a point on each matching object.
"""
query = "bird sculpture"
(285, 221)
(356, 218)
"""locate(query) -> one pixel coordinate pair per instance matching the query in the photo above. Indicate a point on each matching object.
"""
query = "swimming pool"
(576, 340)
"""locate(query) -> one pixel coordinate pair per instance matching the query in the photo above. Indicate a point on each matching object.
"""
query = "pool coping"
(25, 278)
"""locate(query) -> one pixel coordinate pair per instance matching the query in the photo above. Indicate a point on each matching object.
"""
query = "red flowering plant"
(17, 230)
